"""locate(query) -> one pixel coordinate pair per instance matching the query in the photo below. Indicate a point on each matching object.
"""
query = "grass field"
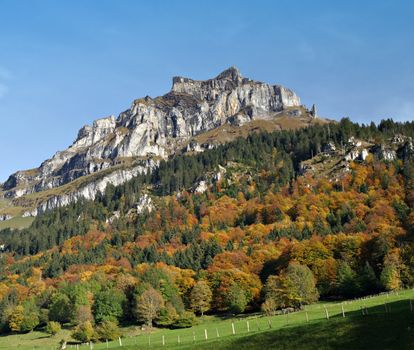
(16, 222)
(380, 322)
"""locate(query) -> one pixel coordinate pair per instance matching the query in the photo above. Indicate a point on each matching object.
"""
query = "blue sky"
(65, 63)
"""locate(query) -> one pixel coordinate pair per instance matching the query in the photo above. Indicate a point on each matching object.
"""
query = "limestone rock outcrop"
(151, 129)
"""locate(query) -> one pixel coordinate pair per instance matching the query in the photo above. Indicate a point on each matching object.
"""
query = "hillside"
(269, 222)
(377, 329)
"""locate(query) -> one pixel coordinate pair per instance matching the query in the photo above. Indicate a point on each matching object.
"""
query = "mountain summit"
(113, 150)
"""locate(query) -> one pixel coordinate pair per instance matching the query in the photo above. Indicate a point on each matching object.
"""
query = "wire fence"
(380, 304)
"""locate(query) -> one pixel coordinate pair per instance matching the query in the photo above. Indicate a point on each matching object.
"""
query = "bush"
(84, 332)
(108, 330)
(269, 307)
(186, 320)
(53, 327)
(168, 315)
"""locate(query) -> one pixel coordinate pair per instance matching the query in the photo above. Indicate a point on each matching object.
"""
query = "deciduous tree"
(148, 305)
(201, 297)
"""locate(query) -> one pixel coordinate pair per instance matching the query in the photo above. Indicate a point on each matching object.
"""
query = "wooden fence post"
(343, 311)
(326, 312)
(232, 328)
(205, 333)
(163, 340)
(307, 317)
(248, 326)
(217, 333)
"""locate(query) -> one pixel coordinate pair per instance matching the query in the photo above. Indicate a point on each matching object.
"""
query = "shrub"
(108, 330)
(84, 332)
(53, 327)
(186, 320)
(167, 316)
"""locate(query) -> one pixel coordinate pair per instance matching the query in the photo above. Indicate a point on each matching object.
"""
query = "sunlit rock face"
(154, 128)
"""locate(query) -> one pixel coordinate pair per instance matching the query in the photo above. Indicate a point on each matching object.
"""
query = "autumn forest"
(264, 236)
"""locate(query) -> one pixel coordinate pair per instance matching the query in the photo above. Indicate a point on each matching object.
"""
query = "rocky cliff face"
(153, 128)
(333, 162)
(90, 189)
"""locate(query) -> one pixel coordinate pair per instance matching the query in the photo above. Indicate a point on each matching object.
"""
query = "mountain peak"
(152, 129)
(231, 73)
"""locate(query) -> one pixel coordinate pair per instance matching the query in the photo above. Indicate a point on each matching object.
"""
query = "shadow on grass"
(377, 331)
(41, 336)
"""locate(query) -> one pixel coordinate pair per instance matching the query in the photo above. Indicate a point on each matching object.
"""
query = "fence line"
(257, 323)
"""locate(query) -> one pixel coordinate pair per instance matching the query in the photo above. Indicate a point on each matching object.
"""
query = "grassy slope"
(371, 332)
(280, 121)
(16, 222)
(19, 205)
(377, 330)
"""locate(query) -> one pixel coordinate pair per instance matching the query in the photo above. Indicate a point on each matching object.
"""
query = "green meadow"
(379, 322)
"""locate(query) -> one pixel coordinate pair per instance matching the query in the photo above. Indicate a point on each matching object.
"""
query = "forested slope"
(260, 235)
